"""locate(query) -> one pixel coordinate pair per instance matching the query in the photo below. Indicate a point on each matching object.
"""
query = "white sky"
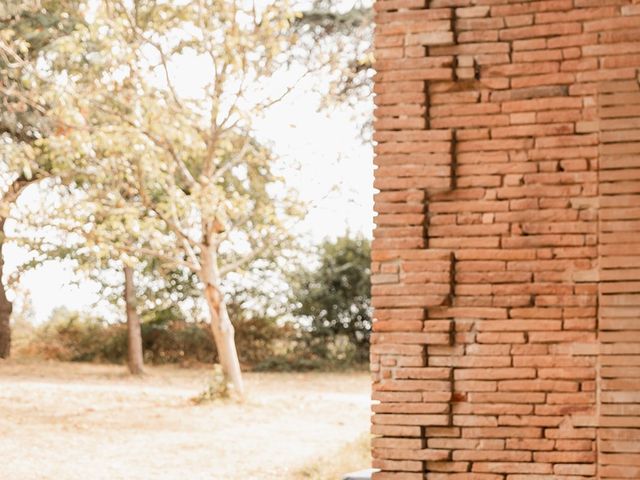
(335, 175)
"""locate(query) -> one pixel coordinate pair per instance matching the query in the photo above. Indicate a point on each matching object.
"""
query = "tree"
(113, 241)
(87, 229)
(33, 143)
(339, 35)
(193, 180)
(335, 296)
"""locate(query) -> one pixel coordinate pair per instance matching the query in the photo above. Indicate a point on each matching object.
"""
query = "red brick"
(505, 258)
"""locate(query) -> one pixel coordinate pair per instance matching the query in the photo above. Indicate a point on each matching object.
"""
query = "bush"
(263, 343)
(177, 341)
(73, 337)
(334, 300)
(217, 388)
(305, 351)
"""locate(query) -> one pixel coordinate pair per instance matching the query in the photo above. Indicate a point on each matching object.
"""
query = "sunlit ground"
(80, 421)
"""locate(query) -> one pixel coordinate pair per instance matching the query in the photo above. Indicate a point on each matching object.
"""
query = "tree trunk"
(5, 305)
(221, 326)
(135, 359)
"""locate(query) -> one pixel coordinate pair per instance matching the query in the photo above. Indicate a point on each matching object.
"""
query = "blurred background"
(186, 193)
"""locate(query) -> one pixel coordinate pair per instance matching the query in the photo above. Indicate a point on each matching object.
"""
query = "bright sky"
(330, 154)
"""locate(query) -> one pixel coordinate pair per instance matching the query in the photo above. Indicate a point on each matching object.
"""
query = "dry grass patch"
(348, 458)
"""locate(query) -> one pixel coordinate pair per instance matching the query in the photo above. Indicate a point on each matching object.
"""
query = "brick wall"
(506, 253)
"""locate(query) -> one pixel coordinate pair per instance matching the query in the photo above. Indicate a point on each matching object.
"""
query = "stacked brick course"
(506, 256)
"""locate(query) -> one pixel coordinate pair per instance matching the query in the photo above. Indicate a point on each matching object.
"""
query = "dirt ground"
(80, 421)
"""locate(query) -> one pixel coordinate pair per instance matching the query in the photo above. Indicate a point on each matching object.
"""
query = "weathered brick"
(508, 135)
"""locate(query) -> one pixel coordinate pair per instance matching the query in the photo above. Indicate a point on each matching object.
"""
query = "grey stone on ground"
(360, 475)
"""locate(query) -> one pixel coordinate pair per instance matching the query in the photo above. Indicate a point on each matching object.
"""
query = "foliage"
(198, 180)
(22, 327)
(217, 388)
(40, 67)
(161, 288)
(339, 35)
(171, 174)
(335, 296)
(347, 28)
(34, 140)
(175, 181)
(34, 143)
(167, 338)
(263, 344)
(71, 336)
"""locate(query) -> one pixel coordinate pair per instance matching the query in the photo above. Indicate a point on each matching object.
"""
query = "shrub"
(71, 336)
(263, 343)
(76, 337)
(334, 300)
(217, 388)
(177, 341)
